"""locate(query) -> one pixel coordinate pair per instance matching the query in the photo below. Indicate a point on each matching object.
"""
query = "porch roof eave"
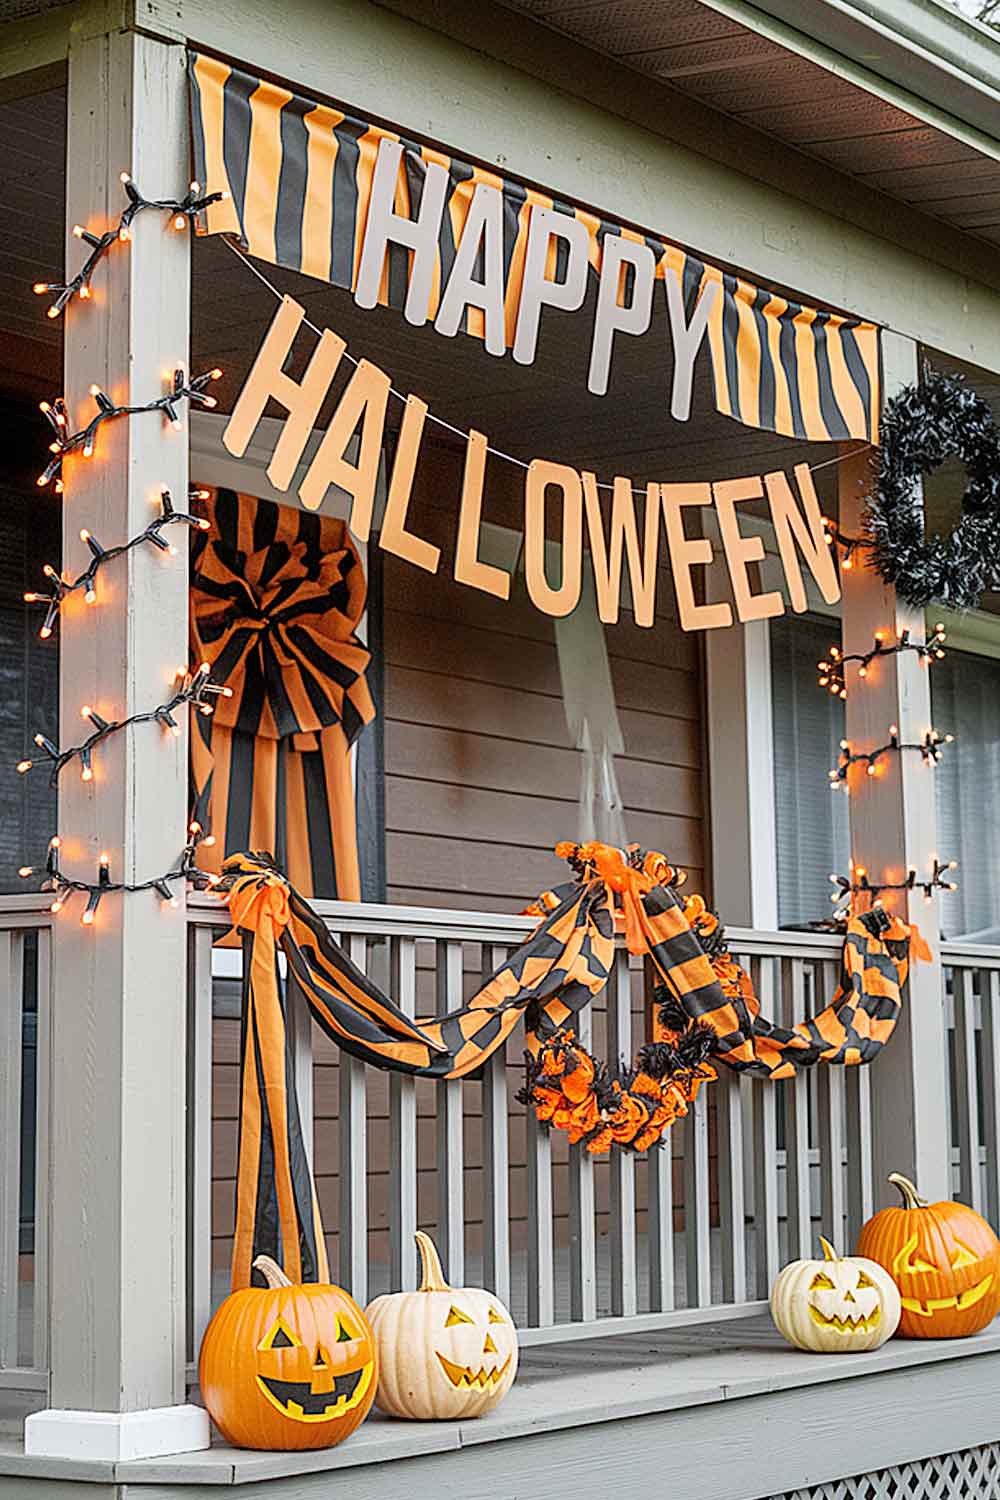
(946, 64)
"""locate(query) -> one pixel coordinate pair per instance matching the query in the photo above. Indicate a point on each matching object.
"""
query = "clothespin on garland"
(63, 886)
(859, 884)
(183, 210)
(929, 747)
(831, 672)
(100, 556)
(183, 388)
(193, 688)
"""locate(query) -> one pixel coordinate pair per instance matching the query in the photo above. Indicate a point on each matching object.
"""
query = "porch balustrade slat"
(496, 1158)
(199, 1155)
(541, 1277)
(989, 989)
(832, 1136)
(965, 1087)
(732, 1192)
(767, 1250)
(43, 1058)
(624, 1288)
(450, 1148)
(660, 1218)
(796, 1100)
(354, 1160)
(403, 1131)
(11, 1024)
(860, 1188)
(582, 1232)
(697, 1205)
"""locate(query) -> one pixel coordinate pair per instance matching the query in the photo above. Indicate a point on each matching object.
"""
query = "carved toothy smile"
(857, 1323)
(465, 1378)
(298, 1400)
(966, 1299)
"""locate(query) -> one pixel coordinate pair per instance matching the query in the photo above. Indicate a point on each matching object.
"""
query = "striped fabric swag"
(299, 175)
(276, 596)
(547, 981)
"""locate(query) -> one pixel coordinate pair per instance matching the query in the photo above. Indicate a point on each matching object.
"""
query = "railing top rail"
(785, 944)
(376, 920)
(970, 955)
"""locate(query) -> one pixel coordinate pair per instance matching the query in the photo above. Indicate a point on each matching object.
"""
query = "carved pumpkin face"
(838, 1305)
(288, 1367)
(444, 1352)
(944, 1258)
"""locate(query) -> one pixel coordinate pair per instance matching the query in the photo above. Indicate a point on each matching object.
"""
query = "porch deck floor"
(573, 1385)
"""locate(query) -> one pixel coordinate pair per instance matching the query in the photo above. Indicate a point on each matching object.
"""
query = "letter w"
(623, 536)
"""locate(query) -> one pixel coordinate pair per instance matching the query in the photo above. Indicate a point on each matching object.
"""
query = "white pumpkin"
(444, 1353)
(838, 1305)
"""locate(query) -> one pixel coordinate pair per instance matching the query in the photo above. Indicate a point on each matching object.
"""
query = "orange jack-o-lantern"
(944, 1258)
(445, 1353)
(288, 1367)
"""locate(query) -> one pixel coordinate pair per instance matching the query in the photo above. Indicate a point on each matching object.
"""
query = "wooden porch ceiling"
(703, 52)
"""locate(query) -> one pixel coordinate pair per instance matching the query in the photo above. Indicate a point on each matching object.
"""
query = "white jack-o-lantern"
(838, 1305)
(444, 1352)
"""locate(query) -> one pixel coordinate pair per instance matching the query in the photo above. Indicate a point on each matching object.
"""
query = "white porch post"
(893, 826)
(118, 1071)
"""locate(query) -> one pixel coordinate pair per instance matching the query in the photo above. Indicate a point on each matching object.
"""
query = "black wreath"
(921, 427)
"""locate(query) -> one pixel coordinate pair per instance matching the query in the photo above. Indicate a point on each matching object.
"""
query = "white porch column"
(893, 826)
(118, 1044)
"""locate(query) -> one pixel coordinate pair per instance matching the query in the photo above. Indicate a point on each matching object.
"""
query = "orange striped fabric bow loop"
(276, 597)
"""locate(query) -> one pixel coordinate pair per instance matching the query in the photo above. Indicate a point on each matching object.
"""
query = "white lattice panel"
(972, 1475)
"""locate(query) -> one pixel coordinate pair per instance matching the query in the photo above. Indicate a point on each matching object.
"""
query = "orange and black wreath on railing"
(706, 1015)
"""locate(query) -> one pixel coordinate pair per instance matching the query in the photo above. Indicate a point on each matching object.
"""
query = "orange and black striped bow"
(276, 597)
(547, 981)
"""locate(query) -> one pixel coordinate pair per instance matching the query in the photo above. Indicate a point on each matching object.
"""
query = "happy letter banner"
(399, 223)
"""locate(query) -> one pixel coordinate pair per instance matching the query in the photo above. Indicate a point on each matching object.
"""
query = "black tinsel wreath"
(920, 428)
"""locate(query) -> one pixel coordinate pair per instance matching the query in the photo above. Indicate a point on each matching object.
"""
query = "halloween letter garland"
(549, 488)
(709, 1016)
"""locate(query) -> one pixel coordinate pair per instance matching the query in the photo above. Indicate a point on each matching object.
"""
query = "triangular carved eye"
(279, 1336)
(344, 1334)
(455, 1315)
(864, 1280)
(495, 1316)
(962, 1257)
(821, 1282)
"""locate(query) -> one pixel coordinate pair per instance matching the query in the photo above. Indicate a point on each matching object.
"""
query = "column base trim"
(114, 1436)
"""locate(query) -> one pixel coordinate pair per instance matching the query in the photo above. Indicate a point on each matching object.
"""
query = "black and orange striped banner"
(546, 982)
(276, 597)
(298, 175)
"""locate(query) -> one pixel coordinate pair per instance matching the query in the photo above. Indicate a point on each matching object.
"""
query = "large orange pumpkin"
(944, 1258)
(287, 1367)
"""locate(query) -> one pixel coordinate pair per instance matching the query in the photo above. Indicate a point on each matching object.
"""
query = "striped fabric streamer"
(547, 981)
(299, 177)
(276, 596)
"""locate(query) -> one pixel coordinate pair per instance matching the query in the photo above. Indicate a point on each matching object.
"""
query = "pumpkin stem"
(271, 1272)
(829, 1253)
(432, 1276)
(911, 1198)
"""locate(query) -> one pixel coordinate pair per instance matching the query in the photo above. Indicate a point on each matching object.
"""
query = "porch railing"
(575, 1245)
